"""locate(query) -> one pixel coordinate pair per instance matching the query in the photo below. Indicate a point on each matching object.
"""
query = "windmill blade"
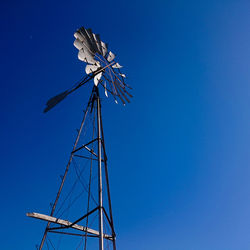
(79, 36)
(111, 91)
(84, 55)
(116, 91)
(123, 102)
(55, 100)
(123, 85)
(123, 82)
(92, 39)
(105, 90)
(112, 70)
(104, 48)
(120, 84)
(97, 78)
(78, 44)
(84, 33)
(110, 81)
(98, 43)
(122, 75)
(111, 56)
(127, 93)
(116, 66)
(91, 69)
(83, 42)
(124, 89)
(120, 90)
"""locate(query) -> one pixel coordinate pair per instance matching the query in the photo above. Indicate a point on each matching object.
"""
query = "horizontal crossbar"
(65, 223)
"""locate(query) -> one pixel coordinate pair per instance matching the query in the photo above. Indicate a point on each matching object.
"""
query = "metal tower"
(89, 147)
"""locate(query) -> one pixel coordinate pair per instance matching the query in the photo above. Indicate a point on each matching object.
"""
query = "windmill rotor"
(95, 53)
(101, 65)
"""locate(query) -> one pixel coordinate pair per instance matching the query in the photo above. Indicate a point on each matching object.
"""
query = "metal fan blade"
(112, 86)
(85, 56)
(91, 68)
(77, 35)
(105, 90)
(122, 81)
(84, 45)
(98, 43)
(84, 33)
(122, 75)
(55, 100)
(117, 94)
(104, 48)
(127, 93)
(97, 78)
(121, 91)
(78, 44)
(123, 102)
(110, 57)
(92, 39)
(111, 91)
(116, 66)
(123, 85)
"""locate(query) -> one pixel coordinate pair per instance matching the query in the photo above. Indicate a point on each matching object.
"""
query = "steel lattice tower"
(90, 147)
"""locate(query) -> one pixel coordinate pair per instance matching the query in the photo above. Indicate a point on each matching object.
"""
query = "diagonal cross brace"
(84, 146)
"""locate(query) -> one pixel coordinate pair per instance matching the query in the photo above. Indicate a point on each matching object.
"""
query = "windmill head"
(100, 66)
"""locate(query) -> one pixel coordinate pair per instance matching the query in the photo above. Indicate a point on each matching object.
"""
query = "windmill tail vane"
(101, 66)
(89, 146)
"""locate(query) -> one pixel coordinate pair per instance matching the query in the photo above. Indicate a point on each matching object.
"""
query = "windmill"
(89, 146)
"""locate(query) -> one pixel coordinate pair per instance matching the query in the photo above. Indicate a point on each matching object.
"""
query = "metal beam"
(101, 242)
(91, 151)
(84, 146)
(110, 219)
(85, 157)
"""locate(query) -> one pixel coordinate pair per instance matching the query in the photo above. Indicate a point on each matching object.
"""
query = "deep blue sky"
(178, 154)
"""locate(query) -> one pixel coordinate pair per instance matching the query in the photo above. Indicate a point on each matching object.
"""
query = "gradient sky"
(178, 154)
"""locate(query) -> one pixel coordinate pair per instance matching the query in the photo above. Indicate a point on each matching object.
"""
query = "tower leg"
(108, 189)
(101, 243)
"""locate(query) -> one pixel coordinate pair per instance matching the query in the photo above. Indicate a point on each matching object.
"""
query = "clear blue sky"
(178, 154)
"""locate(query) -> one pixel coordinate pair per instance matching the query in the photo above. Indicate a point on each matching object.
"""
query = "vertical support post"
(108, 189)
(101, 241)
